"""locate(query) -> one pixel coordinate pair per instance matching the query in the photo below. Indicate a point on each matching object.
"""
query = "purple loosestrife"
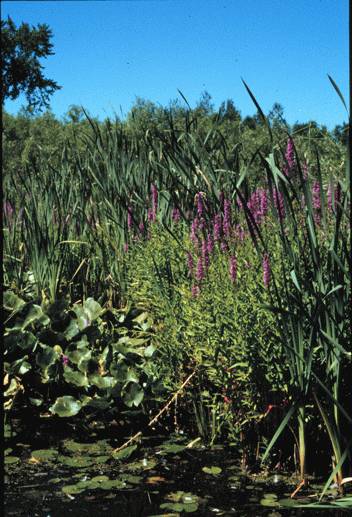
(141, 227)
(279, 203)
(223, 246)
(233, 268)
(263, 202)
(195, 291)
(210, 244)
(190, 263)
(125, 247)
(316, 195)
(200, 204)
(200, 275)
(205, 255)
(239, 232)
(290, 158)
(65, 360)
(176, 215)
(129, 218)
(266, 270)
(316, 201)
(227, 218)
(193, 234)
(305, 171)
(217, 227)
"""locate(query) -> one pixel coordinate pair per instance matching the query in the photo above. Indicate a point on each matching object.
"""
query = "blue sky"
(109, 52)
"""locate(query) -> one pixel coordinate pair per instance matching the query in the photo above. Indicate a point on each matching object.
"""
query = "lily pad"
(124, 453)
(214, 471)
(45, 454)
(77, 461)
(66, 406)
(11, 459)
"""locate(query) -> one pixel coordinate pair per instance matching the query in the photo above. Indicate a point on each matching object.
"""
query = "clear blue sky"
(109, 52)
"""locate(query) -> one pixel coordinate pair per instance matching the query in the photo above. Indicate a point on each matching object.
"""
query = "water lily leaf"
(45, 454)
(124, 453)
(102, 382)
(72, 489)
(33, 313)
(99, 479)
(269, 502)
(77, 461)
(19, 338)
(99, 403)
(7, 452)
(72, 330)
(12, 302)
(78, 354)
(92, 308)
(46, 356)
(134, 395)
(112, 483)
(75, 378)
(145, 464)
(172, 448)
(214, 471)
(66, 406)
(11, 459)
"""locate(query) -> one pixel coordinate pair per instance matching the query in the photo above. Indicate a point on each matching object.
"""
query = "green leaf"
(134, 395)
(18, 338)
(124, 453)
(12, 302)
(75, 378)
(46, 356)
(66, 406)
(214, 471)
(102, 382)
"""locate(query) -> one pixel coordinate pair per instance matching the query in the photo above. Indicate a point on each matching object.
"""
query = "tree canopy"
(21, 49)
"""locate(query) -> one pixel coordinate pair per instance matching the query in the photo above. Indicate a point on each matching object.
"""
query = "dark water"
(156, 479)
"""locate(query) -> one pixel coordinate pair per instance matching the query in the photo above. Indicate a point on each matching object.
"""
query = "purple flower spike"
(217, 227)
(176, 215)
(233, 268)
(141, 227)
(200, 270)
(227, 217)
(195, 291)
(205, 255)
(223, 246)
(129, 218)
(125, 247)
(194, 228)
(200, 205)
(316, 195)
(279, 203)
(65, 360)
(305, 170)
(190, 263)
(290, 157)
(210, 244)
(266, 270)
